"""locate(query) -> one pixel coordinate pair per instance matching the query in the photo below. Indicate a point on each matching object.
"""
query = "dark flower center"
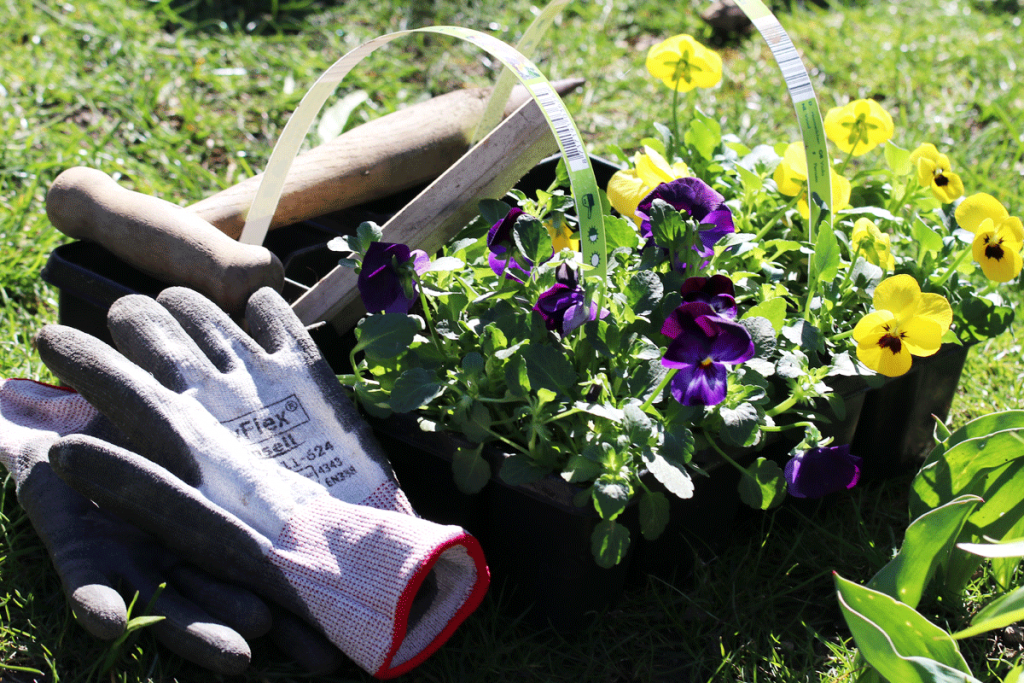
(993, 250)
(707, 362)
(891, 342)
(941, 180)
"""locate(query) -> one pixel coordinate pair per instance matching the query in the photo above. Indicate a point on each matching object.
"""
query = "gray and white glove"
(273, 390)
(101, 560)
(354, 571)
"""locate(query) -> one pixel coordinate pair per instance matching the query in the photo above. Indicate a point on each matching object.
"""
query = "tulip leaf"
(826, 254)
(386, 335)
(1005, 610)
(413, 389)
(896, 640)
(954, 474)
(654, 514)
(980, 426)
(470, 471)
(609, 542)
(670, 471)
(925, 545)
(763, 485)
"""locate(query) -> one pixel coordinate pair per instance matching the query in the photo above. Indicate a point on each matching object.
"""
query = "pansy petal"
(795, 157)
(884, 360)
(947, 187)
(733, 344)
(936, 308)
(700, 386)
(899, 294)
(973, 210)
(872, 326)
(821, 471)
(789, 183)
(921, 337)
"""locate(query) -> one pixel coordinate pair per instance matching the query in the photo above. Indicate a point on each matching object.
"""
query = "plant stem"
(793, 399)
(952, 267)
(674, 142)
(725, 456)
(657, 392)
(771, 221)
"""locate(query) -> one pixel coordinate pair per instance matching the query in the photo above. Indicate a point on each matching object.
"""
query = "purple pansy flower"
(503, 248)
(564, 306)
(703, 343)
(699, 201)
(821, 471)
(715, 291)
(382, 278)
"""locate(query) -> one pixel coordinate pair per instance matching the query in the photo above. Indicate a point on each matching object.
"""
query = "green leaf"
(926, 238)
(740, 426)
(413, 389)
(611, 495)
(704, 134)
(654, 514)
(532, 239)
(516, 377)
(774, 310)
(896, 640)
(386, 335)
(373, 401)
(644, 292)
(678, 445)
(477, 423)
(366, 233)
(670, 471)
(446, 264)
(620, 233)
(608, 543)
(470, 471)
(580, 469)
(1005, 610)
(898, 159)
(546, 367)
(984, 319)
(667, 225)
(635, 423)
(519, 469)
(944, 479)
(928, 540)
(826, 254)
(763, 486)
(751, 181)
(493, 210)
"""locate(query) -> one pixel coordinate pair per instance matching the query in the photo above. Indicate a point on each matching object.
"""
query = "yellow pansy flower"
(933, 170)
(858, 127)
(684, 64)
(627, 188)
(561, 237)
(905, 322)
(791, 178)
(998, 236)
(873, 244)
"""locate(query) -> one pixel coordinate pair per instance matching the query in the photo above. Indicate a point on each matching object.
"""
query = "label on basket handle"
(577, 161)
(819, 180)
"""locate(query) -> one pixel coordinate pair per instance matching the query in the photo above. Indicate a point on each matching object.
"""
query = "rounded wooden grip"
(161, 239)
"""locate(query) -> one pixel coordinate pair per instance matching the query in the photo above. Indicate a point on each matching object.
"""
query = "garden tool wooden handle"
(406, 148)
(161, 239)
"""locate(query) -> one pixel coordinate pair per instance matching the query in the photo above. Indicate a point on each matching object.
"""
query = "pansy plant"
(720, 328)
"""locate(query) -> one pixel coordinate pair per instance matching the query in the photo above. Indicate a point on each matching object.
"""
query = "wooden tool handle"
(161, 239)
(406, 148)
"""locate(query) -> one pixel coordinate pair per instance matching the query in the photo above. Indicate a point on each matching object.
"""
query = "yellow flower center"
(707, 362)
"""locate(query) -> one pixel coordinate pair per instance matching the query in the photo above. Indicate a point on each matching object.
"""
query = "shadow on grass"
(258, 17)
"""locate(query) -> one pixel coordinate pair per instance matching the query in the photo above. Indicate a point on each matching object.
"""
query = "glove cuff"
(387, 588)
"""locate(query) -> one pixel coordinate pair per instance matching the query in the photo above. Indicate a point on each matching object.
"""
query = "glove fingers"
(307, 646)
(144, 332)
(210, 328)
(152, 499)
(186, 629)
(274, 325)
(237, 607)
(125, 393)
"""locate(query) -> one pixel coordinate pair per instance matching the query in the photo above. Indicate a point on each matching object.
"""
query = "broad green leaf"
(1016, 674)
(1005, 610)
(611, 495)
(751, 181)
(608, 543)
(898, 159)
(516, 378)
(548, 368)
(1007, 549)
(984, 319)
(763, 485)
(470, 471)
(493, 210)
(980, 426)
(366, 233)
(678, 445)
(925, 545)
(580, 469)
(519, 469)
(671, 472)
(445, 264)
(704, 134)
(532, 239)
(635, 423)
(927, 238)
(896, 640)
(414, 389)
(740, 426)
(619, 232)
(826, 254)
(667, 225)
(774, 310)
(644, 292)
(373, 400)
(386, 335)
(950, 476)
(654, 514)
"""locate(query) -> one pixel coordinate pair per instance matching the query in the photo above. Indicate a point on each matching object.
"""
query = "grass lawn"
(180, 103)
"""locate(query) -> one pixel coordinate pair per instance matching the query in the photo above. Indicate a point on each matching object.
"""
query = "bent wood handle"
(159, 238)
(406, 148)
(439, 212)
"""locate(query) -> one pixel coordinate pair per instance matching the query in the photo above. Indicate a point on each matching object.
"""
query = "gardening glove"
(103, 561)
(353, 571)
(273, 390)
